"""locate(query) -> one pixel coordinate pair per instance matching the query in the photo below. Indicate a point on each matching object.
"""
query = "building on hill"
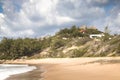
(93, 27)
(92, 36)
(83, 27)
(82, 31)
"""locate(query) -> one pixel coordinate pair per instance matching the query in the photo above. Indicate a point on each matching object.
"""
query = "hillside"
(82, 47)
(69, 42)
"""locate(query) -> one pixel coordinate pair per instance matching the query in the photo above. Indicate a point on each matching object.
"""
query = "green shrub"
(82, 41)
(118, 49)
(57, 43)
(77, 53)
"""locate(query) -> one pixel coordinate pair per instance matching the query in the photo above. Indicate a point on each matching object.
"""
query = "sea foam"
(6, 70)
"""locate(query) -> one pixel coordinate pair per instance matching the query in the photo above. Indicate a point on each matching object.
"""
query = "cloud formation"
(31, 18)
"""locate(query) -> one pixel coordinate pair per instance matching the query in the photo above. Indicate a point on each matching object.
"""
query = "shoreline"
(34, 74)
(71, 69)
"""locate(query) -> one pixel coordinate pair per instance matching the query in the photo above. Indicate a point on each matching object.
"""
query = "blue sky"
(35, 18)
(1, 10)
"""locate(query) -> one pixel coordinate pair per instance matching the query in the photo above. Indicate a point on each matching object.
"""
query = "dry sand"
(105, 68)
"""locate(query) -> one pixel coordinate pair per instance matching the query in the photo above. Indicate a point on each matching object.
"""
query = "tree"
(106, 30)
(16, 48)
(106, 33)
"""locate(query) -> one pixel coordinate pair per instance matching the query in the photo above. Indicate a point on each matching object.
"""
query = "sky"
(36, 18)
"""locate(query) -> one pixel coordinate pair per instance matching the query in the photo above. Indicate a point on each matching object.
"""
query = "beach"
(31, 75)
(100, 68)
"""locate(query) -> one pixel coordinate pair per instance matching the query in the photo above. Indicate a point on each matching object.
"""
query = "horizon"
(37, 18)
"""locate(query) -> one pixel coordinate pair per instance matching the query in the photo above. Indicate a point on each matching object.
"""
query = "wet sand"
(105, 68)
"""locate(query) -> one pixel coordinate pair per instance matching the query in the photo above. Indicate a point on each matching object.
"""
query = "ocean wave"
(7, 70)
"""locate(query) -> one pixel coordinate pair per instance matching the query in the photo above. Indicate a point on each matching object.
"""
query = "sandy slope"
(77, 68)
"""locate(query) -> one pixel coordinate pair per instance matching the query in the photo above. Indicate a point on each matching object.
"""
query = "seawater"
(6, 70)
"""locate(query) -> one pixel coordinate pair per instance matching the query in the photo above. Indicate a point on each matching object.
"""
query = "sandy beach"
(104, 68)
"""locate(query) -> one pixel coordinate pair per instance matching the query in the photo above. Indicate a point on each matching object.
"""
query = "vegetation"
(74, 32)
(16, 48)
(69, 42)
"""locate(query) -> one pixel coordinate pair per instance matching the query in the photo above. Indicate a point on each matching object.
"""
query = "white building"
(96, 36)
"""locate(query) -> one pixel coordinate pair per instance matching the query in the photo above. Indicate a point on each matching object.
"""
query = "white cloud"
(1, 18)
(25, 33)
(62, 19)
(1, 15)
(34, 17)
(97, 1)
(33, 14)
(43, 12)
